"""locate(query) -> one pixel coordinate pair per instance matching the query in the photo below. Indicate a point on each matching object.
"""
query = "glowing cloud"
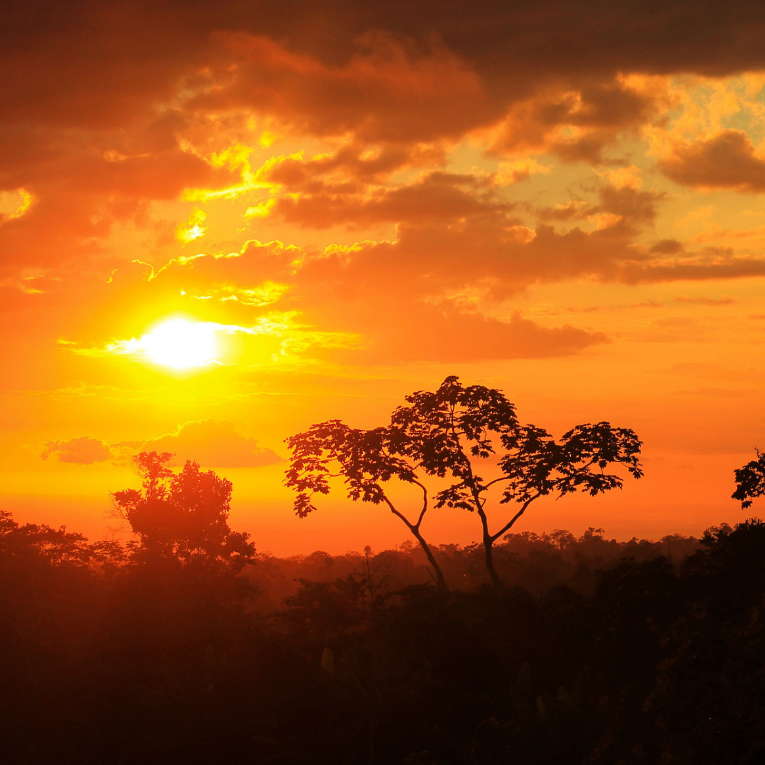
(13, 204)
(193, 229)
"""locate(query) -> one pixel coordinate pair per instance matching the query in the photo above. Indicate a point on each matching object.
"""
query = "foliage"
(182, 515)
(446, 434)
(54, 546)
(750, 481)
(365, 460)
(662, 662)
(442, 430)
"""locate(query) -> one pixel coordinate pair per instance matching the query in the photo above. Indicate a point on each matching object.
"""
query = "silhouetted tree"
(365, 459)
(750, 480)
(182, 515)
(443, 432)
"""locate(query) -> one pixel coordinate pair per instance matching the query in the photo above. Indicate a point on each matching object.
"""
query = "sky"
(223, 222)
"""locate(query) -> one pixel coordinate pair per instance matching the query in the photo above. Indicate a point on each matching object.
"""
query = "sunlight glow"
(193, 229)
(13, 204)
(181, 344)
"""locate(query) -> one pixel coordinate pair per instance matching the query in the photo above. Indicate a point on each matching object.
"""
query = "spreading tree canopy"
(449, 434)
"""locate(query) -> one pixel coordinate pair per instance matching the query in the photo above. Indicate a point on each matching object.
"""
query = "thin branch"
(507, 526)
(385, 499)
(497, 480)
(424, 504)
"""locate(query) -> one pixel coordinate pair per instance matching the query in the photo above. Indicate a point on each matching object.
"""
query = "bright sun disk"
(181, 344)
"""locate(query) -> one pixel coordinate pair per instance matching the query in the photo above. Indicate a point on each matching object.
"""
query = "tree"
(447, 431)
(365, 459)
(446, 434)
(750, 480)
(182, 515)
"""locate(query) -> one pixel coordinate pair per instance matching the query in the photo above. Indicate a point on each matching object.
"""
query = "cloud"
(210, 443)
(102, 113)
(621, 203)
(213, 444)
(138, 128)
(726, 161)
(352, 161)
(444, 334)
(703, 268)
(577, 122)
(436, 196)
(390, 90)
(666, 247)
(392, 297)
(520, 170)
(727, 300)
(84, 450)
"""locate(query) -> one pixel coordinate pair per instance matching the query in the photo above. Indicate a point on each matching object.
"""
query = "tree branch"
(497, 480)
(509, 525)
(424, 504)
(396, 512)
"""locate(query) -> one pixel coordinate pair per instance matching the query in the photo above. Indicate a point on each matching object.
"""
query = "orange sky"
(348, 203)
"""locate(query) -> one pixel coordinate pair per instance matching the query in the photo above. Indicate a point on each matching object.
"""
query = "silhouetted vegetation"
(447, 434)
(187, 646)
(750, 481)
(182, 517)
(597, 652)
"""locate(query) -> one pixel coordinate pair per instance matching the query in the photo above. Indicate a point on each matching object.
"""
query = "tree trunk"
(440, 580)
(489, 559)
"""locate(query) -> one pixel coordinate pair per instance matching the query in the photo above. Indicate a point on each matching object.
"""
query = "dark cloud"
(667, 247)
(576, 209)
(144, 49)
(95, 100)
(437, 196)
(635, 207)
(726, 267)
(84, 450)
(598, 111)
(353, 161)
(391, 90)
(444, 334)
(727, 161)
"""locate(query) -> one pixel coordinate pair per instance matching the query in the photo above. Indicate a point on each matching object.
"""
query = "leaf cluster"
(365, 459)
(750, 481)
(443, 434)
(539, 465)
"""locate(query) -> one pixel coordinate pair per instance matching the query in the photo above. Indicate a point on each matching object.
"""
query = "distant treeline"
(535, 562)
(635, 652)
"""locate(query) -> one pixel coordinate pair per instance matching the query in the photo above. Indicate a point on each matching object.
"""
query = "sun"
(181, 344)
